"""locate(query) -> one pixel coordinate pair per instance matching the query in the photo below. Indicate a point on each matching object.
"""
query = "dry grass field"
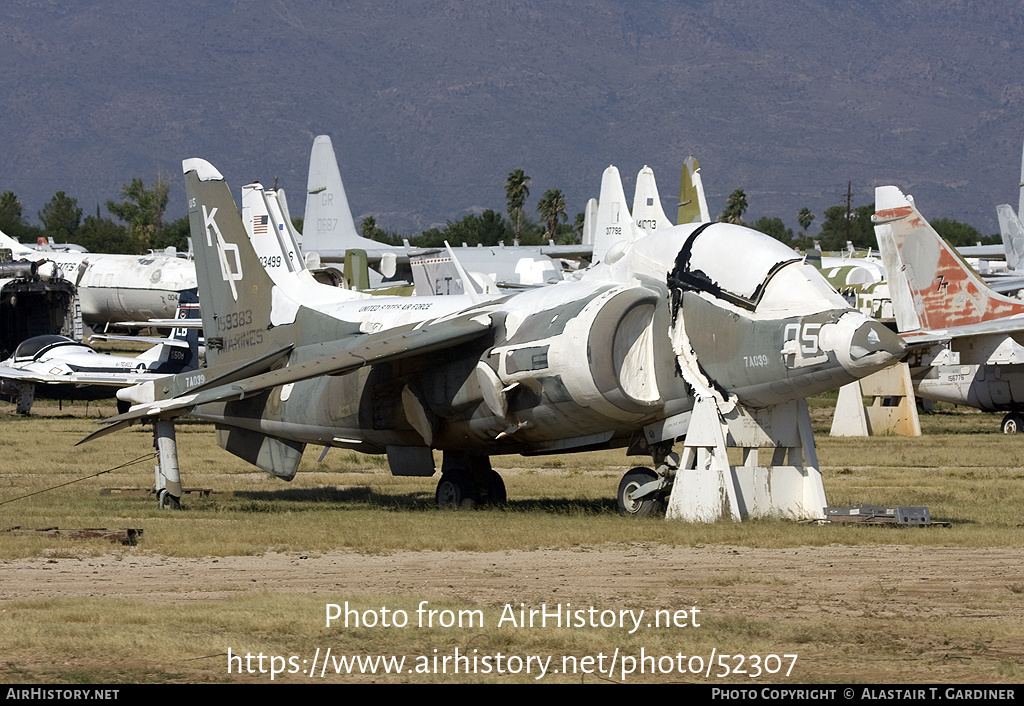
(252, 568)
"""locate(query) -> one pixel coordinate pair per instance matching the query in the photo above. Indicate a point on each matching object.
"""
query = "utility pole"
(849, 200)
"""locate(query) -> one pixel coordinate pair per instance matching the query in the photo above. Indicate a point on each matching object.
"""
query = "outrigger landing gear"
(168, 477)
(468, 481)
(642, 492)
(633, 500)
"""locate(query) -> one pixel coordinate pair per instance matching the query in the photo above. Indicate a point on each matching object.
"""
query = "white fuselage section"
(126, 287)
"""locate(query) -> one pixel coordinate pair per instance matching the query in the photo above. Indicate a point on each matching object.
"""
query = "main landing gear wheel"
(496, 494)
(456, 490)
(651, 505)
(166, 501)
(1013, 423)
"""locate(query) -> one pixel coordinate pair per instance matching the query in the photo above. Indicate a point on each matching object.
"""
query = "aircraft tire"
(1013, 423)
(166, 501)
(456, 490)
(496, 493)
(646, 507)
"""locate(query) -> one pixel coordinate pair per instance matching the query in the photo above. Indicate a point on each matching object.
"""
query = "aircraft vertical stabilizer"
(693, 206)
(614, 224)
(328, 221)
(1020, 204)
(1012, 233)
(930, 285)
(282, 204)
(589, 222)
(268, 233)
(647, 210)
(236, 313)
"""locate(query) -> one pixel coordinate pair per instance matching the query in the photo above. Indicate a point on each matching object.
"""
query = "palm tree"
(552, 208)
(517, 190)
(734, 209)
(804, 218)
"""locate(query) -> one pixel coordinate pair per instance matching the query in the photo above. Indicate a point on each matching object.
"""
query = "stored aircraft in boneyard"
(329, 230)
(965, 338)
(60, 368)
(114, 287)
(618, 357)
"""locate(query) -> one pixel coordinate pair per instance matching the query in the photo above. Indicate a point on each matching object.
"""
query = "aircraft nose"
(872, 347)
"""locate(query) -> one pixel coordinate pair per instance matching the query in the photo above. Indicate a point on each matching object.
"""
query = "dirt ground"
(915, 582)
(868, 614)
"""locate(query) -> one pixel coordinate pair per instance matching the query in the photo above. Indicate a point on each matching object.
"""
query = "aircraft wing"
(982, 251)
(109, 379)
(568, 252)
(161, 323)
(1004, 326)
(370, 349)
(151, 340)
(1005, 284)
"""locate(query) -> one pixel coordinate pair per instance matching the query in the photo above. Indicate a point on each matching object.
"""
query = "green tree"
(174, 235)
(804, 218)
(517, 190)
(102, 235)
(859, 226)
(10, 212)
(12, 221)
(775, 228)
(369, 229)
(735, 207)
(489, 228)
(143, 210)
(960, 234)
(61, 217)
(577, 226)
(552, 210)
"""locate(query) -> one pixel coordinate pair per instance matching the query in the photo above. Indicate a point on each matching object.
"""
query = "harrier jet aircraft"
(118, 287)
(618, 357)
(965, 338)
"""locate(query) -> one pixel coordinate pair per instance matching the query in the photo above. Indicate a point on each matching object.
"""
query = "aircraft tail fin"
(647, 210)
(813, 257)
(613, 223)
(17, 249)
(930, 285)
(1012, 232)
(179, 351)
(241, 306)
(693, 206)
(589, 222)
(328, 224)
(282, 204)
(188, 308)
(357, 270)
(1020, 205)
(268, 232)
